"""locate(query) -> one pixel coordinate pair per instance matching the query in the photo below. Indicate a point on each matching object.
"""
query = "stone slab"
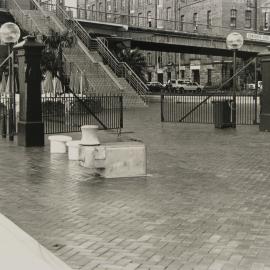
(19, 251)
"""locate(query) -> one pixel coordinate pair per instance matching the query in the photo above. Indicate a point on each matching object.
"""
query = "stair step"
(97, 76)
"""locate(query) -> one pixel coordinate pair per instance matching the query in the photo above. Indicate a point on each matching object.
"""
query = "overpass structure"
(168, 36)
(172, 41)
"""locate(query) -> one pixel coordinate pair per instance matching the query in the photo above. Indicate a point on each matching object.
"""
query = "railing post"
(121, 111)
(4, 125)
(162, 106)
(256, 92)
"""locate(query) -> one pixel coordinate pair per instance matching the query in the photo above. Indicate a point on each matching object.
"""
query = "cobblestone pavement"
(205, 203)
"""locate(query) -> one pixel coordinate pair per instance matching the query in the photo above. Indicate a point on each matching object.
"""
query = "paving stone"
(204, 204)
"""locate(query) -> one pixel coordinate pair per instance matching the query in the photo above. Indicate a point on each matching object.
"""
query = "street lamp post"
(10, 34)
(234, 42)
(234, 90)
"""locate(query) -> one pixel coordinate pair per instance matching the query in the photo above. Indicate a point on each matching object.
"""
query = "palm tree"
(52, 54)
(135, 59)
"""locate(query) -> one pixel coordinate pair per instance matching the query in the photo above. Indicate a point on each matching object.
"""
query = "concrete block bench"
(58, 143)
(113, 160)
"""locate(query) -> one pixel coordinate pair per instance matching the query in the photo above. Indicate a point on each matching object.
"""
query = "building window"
(209, 76)
(249, 3)
(149, 75)
(195, 21)
(140, 3)
(149, 2)
(115, 5)
(248, 17)
(169, 59)
(265, 20)
(182, 74)
(209, 19)
(168, 13)
(160, 62)
(233, 18)
(149, 59)
(109, 7)
(123, 4)
(182, 22)
(131, 4)
(149, 18)
(140, 19)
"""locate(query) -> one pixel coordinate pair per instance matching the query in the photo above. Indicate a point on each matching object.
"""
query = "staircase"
(86, 56)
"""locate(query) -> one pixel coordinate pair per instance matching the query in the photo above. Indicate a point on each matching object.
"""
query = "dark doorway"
(169, 75)
(149, 76)
(196, 75)
(160, 77)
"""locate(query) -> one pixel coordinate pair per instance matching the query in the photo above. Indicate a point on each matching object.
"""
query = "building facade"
(204, 17)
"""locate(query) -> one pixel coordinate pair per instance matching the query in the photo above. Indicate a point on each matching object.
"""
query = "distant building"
(207, 17)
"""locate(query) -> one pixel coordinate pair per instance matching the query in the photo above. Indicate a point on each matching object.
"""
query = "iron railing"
(175, 106)
(22, 18)
(67, 114)
(7, 118)
(122, 69)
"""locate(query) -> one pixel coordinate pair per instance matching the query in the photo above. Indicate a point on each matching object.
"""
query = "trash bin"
(222, 113)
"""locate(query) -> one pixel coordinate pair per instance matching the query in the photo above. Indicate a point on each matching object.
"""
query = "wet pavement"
(205, 203)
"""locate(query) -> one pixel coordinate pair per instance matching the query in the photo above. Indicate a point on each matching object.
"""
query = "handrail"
(120, 68)
(9, 56)
(72, 24)
(132, 78)
(22, 14)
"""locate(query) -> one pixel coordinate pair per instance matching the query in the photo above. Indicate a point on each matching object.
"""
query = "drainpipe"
(156, 12)
(175, 14)
(128, 13)
(256, 15)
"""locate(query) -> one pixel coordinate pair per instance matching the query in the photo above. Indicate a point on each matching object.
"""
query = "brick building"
(214, 17)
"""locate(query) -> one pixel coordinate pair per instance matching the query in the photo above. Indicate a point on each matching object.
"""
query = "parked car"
(187, 86)
(176, 84)
(251, 86)
(155, 86)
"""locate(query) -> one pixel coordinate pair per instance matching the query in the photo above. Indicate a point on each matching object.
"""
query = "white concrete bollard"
(73, 150)
(89, 135)
(58, 143)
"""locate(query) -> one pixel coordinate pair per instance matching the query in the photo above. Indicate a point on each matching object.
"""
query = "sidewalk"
(204, 204)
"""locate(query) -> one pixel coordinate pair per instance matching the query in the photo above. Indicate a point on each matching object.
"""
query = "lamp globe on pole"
(10, 34)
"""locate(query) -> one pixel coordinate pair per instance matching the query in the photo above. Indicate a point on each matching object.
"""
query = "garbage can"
(222, 113)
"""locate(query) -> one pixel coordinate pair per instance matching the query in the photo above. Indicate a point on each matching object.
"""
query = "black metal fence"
(5, 126)
(198, 107)
(67, 113)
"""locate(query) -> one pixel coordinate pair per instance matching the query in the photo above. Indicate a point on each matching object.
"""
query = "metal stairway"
(83, 57)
